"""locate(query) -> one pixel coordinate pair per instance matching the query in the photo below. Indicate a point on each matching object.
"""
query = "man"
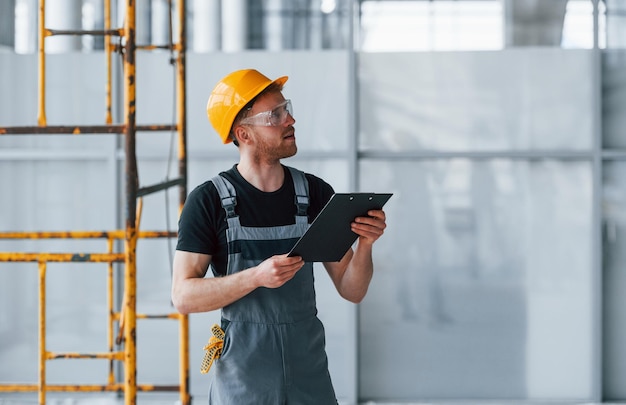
(242, 223)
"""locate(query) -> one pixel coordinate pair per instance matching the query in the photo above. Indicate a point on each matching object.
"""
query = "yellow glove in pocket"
(213, 348)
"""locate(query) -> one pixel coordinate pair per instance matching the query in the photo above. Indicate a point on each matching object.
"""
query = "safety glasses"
(273, 118)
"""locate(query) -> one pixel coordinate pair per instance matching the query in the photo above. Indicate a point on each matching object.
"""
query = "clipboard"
(329, 236)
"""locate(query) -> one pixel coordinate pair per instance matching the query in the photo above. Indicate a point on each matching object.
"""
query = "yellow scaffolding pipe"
(127, 316)
(41, 110)
(108, 119)
(42, 332)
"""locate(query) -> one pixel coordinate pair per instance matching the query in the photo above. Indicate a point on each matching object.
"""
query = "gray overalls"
(274, 349)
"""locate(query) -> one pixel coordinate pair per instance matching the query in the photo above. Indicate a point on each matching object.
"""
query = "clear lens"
(277, 116)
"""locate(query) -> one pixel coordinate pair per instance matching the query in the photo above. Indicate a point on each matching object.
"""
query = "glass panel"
(614, 280)
(466, 101)
(482, 286)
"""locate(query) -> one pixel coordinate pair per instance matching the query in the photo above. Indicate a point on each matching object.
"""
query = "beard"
(270, 151)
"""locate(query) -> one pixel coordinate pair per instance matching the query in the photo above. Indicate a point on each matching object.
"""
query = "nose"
(290, 120)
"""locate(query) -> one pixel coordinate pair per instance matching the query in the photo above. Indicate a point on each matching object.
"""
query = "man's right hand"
(277, 270)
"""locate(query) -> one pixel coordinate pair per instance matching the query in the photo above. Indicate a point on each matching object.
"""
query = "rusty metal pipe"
(41, 113)
(111, 323)
(181, 101)
(105, 32)
(42, 333)
(114, 234)
(130, 273)
(83, 129)
(62, 257)
(108, 119)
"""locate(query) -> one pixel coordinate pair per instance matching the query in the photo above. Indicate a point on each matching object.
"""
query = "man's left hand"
(370, 228)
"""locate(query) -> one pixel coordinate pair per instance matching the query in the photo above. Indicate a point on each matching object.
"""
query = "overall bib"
(274, 348)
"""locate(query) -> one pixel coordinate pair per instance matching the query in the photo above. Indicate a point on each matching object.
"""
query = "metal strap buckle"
(302, 202)
(229, 204)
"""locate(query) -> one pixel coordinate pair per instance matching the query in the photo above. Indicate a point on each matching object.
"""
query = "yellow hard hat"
(231, 94)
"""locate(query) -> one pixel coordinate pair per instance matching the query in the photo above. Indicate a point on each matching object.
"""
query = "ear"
(241, 134)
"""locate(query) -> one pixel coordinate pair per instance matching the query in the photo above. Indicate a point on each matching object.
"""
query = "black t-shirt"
(202, 224)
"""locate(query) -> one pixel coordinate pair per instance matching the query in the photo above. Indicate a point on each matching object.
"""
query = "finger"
(378, 214)
(367, 231)
(285, 260)
(365, 223)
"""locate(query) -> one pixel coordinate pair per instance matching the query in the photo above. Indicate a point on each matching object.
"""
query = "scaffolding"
(126, 317)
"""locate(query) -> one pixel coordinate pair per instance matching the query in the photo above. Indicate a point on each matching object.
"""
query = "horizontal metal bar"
(103, 355)
(81, 129)
(62, 129)
(114, 32)
(143, 191)
(173, 315)
(85, 388)
(115, 234)
(118, 234)
(499, 154)
(153, 47)
(148, 387)
(61, 388)
(159, 127)
(62, 257)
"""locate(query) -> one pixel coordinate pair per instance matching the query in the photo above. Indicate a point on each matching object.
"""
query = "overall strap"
(301, 186)
(228, 197)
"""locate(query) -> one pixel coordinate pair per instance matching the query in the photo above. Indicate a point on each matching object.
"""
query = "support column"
(207, 27)
(160, 22)
(274, 29)
(63, 15)
(143, 28)
(93, 19)
(25, 26)
(315, 25)
(298, 19)
(234, 25)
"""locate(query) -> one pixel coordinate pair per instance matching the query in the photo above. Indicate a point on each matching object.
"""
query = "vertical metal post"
(110, 333)
(181, 101)
(132, 185)
(41, 113)
(42, 333)
(107, 53)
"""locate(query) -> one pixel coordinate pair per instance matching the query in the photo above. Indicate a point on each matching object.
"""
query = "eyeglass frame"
(266, 116)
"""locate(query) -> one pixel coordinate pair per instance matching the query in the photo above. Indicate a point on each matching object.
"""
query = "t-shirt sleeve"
(196, 225)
